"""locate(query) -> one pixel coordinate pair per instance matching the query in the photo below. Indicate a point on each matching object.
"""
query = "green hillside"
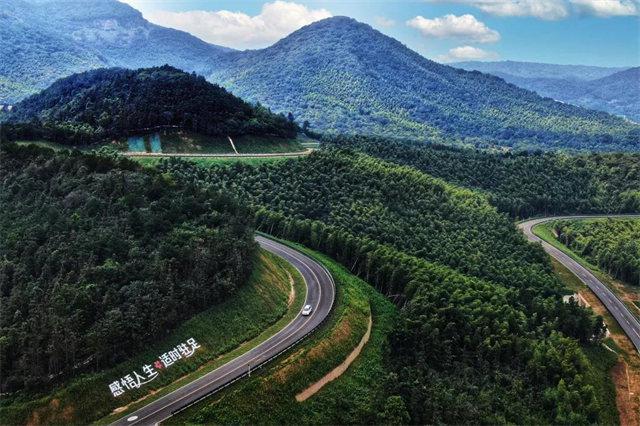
(345, 77)
(483, 335)
(100, 257)
(111, 103)
(521, 184)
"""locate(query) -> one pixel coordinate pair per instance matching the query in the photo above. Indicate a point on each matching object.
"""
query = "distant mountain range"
(44, 40)
(340, 75)
(614, 90)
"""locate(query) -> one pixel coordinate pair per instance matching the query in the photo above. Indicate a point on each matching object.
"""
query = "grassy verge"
(209, 161)
(55, 146)
(268, 397)
(623, 291)
(172, 142)
(187, 142)
(599, 376)
(256, 312)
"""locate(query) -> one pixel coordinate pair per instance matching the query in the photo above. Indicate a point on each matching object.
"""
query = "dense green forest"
(345, 77)
(111, 103)
(520, 184)
(100, 256)
(483, 336)
(612, 244)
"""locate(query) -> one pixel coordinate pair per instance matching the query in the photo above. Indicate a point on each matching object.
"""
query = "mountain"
(111, 103)
(33, 55)
(613, 90)
(340, 75)
(345, 77)
(539, 70)
(619, 93)
(44, 40)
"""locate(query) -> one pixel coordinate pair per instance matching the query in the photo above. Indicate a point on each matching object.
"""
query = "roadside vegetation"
(268, 396)
(213, 161)
(628, 293)
(258, 310)
(611, 244)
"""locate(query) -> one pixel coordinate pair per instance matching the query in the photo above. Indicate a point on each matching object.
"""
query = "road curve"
(616, 307)
(320, 295)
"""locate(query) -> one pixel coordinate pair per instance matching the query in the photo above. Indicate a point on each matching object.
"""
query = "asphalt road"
(320, 295)
(616, 307)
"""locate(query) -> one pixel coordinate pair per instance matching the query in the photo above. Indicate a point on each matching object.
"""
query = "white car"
(306, 311)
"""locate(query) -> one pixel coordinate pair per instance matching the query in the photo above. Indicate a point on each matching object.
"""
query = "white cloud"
(606, 8)
(551, 9)
(467, 53)
(465, 27)
(239, 30)
(383, 22)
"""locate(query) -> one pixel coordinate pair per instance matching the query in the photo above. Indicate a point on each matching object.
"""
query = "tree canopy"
(100, 256)
(111, 103)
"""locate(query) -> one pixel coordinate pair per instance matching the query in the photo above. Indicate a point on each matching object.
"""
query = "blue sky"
(590, 32)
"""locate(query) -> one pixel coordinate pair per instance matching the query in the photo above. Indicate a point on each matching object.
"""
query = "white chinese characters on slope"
(150, 372)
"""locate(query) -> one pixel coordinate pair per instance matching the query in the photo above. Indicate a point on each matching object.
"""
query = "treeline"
(112, 103)
(521, 184)
(100, 257)
(612, 244)
(484, 336)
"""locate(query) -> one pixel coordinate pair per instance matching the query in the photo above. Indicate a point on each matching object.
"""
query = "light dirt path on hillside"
(339, 370)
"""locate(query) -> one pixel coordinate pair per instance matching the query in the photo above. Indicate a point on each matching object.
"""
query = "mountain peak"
(335, 29)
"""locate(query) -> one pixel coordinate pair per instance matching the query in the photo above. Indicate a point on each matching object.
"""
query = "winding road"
(320, 295)
(616, 307)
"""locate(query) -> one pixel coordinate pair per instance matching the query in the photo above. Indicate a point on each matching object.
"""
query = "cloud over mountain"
(239, 30)
(464, 27)
(467, 53)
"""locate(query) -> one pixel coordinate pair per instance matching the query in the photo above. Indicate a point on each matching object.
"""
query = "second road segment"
(616, 307)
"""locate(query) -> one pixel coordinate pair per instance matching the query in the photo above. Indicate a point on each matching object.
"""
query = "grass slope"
(258, 311)
(269, 396)
(173, 142)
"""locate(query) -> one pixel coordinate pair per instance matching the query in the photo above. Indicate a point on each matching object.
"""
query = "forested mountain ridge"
(345, 77)
(34, 55)
(340, 75)
(483, 335)
(540, 70)
(111, 103)
(44, 40)
(520, 184)
(100, 256)
(613, 90)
